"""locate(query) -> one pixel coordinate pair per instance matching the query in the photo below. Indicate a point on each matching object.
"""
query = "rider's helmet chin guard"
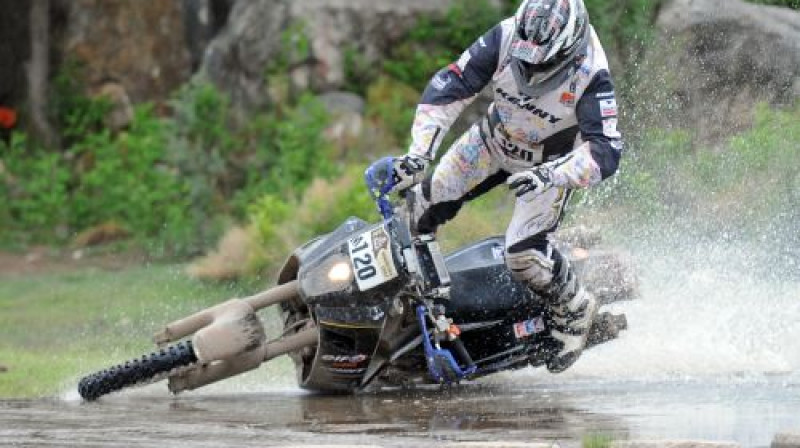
(550, 37)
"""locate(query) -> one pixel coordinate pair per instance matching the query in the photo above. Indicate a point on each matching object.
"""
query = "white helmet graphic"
(549, 36)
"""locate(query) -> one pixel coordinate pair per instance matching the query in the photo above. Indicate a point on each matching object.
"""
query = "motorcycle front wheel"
(137, 371)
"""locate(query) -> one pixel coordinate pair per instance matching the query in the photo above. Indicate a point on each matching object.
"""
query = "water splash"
(708, 309)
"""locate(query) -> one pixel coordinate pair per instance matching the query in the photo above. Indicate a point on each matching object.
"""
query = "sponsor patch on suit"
(608, 108)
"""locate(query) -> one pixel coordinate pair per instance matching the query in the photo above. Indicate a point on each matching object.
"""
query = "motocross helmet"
(549, 36)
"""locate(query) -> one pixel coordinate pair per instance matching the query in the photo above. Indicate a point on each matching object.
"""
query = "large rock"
(367, 27)
(203, 19)
(139, 45)
(237, 59)
(721, 57)
(786, 440)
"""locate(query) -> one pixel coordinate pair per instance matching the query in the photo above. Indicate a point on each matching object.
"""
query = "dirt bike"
(365, 306)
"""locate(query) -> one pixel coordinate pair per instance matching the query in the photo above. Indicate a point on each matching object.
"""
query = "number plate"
(372, 260)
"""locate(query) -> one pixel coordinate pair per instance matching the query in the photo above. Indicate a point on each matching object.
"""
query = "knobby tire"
(137, 371)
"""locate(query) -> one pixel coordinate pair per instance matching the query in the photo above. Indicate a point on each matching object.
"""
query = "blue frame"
(436, 356)
(380, 182)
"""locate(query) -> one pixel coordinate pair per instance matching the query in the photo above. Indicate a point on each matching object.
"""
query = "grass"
(597, 441)
(57, 327)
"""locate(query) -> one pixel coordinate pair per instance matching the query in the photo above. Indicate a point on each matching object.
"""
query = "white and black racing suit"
(572, 128)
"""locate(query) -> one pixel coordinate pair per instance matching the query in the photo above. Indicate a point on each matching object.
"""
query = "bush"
(392, 106)
(170, 181)
(34, 192)
(327, 204)
(288, 150)
(202, 151)
(128, 180)
(436, 41)
(270, 218)
(282, 225)
(73, 112)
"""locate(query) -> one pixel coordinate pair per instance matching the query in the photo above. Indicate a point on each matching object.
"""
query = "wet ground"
(749, 412)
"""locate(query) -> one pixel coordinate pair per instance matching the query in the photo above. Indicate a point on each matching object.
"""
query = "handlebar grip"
(380, 181)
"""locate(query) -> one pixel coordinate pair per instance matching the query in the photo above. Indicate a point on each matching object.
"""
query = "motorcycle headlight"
(340, 272)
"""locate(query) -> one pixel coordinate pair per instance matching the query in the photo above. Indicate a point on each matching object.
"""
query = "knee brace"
(531, 266)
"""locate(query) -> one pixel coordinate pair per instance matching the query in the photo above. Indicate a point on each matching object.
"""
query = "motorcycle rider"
(552, 128)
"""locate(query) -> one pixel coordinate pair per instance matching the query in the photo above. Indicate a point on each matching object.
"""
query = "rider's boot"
(572, 310)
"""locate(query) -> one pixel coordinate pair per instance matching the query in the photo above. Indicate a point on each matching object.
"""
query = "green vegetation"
(597, 441)
(786, 3)
(171, 182)
(669, 176)
(281, 226)
(126, 179)
(436, 41)
(57, 327)
(33, 192)
(61, 326)
(72, 111)
(391, 105)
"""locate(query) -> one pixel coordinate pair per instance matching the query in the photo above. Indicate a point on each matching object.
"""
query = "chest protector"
(529, 127)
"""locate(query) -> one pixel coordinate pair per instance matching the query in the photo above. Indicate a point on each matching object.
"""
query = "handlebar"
(380, 181)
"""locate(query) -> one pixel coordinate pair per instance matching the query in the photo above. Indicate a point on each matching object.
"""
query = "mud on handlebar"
(380, 180)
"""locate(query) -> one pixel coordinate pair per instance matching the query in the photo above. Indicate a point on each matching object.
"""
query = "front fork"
(442, 365)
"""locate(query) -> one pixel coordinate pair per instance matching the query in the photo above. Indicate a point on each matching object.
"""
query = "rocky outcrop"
(346, 112)
(786, 440)
(139, 45)
(721, 57)
(203, 20)
(151, 48)
(367, 28)
(236, 60)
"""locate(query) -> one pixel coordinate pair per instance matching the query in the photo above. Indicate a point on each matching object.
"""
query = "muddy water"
(747, 411)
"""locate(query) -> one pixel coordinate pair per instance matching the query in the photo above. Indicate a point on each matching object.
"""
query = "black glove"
(408, 171)
(536, 179)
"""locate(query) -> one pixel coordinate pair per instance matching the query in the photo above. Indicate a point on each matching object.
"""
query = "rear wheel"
(137, 371)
